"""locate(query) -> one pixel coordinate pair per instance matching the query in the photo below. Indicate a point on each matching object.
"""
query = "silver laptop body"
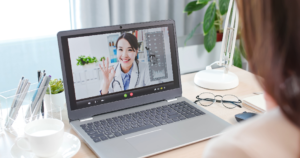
(89, 111)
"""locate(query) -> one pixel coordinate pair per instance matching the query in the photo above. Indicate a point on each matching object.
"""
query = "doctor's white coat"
(144, 78)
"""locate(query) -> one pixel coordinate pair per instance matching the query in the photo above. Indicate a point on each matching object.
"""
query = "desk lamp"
(222, 79)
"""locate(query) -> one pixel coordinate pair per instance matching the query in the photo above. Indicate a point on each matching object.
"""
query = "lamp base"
(216, 79)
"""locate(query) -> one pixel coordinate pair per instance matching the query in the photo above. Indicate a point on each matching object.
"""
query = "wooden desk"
(246, 87)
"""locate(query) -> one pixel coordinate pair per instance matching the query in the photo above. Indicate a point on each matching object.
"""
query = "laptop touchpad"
(152, 141)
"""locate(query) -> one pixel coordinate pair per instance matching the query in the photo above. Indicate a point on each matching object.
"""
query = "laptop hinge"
(86, 119)
(172, 100)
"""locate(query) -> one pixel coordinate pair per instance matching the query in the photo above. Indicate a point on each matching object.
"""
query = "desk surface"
(247, 87)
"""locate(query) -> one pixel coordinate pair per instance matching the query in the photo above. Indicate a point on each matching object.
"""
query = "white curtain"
(96, 13)
(28, 39)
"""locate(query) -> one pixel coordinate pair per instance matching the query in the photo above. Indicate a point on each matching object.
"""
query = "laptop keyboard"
(125, 124)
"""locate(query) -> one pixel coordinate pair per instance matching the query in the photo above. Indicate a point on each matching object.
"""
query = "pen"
(14, 102)
(39, 74)
(34, 98)
(40, 98)
(41, 80)
(19, 103)
(42, 108)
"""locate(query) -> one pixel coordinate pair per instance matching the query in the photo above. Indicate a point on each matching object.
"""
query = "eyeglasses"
(228, 100)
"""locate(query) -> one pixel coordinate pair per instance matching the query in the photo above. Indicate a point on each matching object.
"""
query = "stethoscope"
(137, 81)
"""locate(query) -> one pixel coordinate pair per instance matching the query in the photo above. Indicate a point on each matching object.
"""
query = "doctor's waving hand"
(128, 73)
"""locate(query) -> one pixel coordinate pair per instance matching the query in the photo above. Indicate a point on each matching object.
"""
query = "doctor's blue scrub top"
(126, 78)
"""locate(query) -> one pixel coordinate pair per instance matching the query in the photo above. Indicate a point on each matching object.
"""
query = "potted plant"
(102, 58)
(54, 99)
(212, 25)
(86, 61)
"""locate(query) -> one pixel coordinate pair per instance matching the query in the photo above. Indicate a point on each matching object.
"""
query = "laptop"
(141, 114)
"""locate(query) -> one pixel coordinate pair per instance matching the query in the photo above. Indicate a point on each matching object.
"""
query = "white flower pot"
(90, 66)
(55, 102)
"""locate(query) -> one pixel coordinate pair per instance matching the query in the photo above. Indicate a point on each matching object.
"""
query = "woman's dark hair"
(271, 34)
(131, 40)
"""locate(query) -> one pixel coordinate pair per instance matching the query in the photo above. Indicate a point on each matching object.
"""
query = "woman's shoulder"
(259, 137)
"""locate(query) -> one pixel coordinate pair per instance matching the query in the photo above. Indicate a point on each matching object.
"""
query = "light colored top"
(126, 78)
(267, 135)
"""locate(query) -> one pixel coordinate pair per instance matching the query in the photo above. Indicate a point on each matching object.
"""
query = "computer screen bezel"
(86, 112)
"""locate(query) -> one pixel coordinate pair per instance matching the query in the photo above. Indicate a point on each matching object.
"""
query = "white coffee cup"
(42, 137)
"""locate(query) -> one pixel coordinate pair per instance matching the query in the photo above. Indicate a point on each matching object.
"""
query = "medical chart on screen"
(157, 56)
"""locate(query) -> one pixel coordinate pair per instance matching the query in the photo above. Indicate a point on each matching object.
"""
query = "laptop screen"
(117, 65)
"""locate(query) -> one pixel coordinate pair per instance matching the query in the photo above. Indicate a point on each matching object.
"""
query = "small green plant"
(103, 58)
(56, 86)
(82, 60)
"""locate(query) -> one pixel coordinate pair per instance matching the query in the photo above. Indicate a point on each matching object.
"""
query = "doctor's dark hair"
(131, 40)
(270, 30)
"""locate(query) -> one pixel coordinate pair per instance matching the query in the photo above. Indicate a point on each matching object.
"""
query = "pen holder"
(20, 109)
(1, 119)
(54, 103)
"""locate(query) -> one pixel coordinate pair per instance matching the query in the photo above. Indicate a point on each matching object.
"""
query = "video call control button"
(125, 95)
(131, 94)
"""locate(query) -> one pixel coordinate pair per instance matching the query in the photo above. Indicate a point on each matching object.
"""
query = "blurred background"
(28, 39)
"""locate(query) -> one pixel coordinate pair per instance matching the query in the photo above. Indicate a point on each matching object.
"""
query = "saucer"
(70, 146)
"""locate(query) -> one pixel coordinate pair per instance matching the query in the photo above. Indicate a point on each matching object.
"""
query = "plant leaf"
(103, 58)
(209, 18)
(189, 13)
(191, 33)
(223, 6)
(95, 60)
(202, 1)
(192, 6)
(217, 19)
(242, 49)
(56, 86)
(237, 60)
(210, 39)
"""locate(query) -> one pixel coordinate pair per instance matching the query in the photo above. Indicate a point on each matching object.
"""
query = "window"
(28, 39)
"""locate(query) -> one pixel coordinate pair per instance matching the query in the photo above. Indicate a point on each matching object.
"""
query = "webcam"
(120, 27)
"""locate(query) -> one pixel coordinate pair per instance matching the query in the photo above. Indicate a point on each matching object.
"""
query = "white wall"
(87, 78)
(195, 58)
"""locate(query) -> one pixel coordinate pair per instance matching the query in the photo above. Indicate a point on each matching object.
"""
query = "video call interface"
(122, 61)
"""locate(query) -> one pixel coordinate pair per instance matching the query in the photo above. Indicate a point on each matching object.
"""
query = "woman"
(270, 29)
(128, 73)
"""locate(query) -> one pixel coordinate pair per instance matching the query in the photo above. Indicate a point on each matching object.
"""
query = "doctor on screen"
(128, 73)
